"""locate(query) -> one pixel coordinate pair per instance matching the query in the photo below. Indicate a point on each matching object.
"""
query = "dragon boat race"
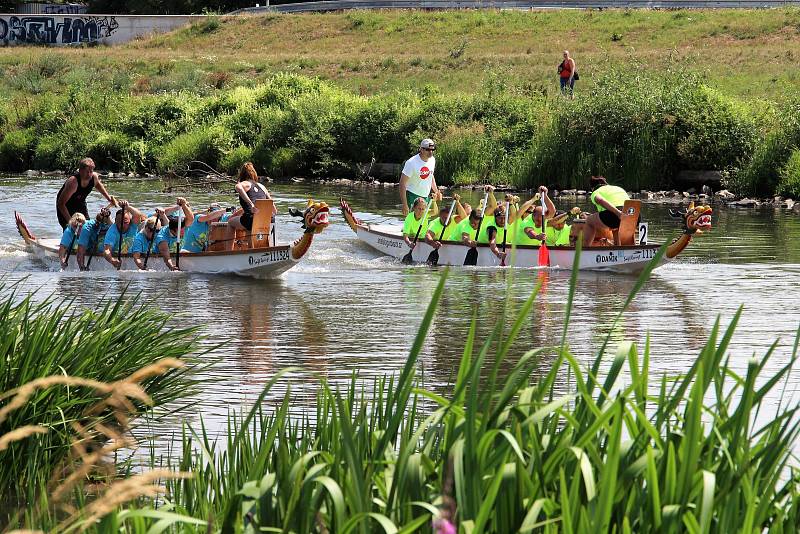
(441, 268)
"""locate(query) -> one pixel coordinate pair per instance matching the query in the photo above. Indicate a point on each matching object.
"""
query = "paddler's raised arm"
(512, 207)
(551, 208)
(490, 209)
(461, 213)
(528, 204)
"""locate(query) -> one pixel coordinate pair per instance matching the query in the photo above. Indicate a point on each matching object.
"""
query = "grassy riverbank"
(511, 449)
(651, 102)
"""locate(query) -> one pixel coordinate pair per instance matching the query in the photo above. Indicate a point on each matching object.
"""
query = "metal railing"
(338, 5)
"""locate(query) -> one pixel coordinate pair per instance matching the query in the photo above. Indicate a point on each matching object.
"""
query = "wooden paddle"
(407, 259)
(472, 254)
(544, 254)
(433, 257)
(505, 234)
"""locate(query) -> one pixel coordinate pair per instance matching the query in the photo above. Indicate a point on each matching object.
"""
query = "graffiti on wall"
(43, 29)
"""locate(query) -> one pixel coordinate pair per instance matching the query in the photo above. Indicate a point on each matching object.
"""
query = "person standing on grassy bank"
(417, 179)
(567, 74)
(71, 198)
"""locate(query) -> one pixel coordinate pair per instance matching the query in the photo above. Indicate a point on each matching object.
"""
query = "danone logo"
(424, 172)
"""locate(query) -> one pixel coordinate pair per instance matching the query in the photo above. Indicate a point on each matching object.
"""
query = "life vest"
(614, 195)
(521, 237)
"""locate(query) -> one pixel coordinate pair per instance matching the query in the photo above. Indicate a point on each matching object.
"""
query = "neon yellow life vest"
(411, 224)
(557, 238)
(616, 196)
(521, 237)
(435, 228)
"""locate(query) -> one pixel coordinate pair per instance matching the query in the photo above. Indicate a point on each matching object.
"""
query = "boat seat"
(628, 222)
(262, 222)
(217, 235)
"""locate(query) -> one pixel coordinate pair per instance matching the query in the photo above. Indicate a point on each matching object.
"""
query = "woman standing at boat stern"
(71, 198)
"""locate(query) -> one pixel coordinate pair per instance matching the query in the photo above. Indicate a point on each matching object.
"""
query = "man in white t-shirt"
(417, 178)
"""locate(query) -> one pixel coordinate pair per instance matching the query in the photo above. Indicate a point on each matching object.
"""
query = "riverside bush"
(16, 150)
(638, 129)
(762, 173)
(206, 144)
(790, 176)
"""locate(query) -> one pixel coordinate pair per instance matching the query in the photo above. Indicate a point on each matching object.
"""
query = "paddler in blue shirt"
(166, 241)
(69, 239)
(91, 238)
(119, 237)
(196, 237)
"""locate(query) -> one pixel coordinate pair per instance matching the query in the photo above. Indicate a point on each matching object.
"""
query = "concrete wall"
(65, 30)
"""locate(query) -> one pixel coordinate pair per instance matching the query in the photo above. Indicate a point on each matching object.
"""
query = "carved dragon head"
(696, 219)
(315, 216)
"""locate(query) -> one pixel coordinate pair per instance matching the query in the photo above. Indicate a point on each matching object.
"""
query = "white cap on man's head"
(427, 143)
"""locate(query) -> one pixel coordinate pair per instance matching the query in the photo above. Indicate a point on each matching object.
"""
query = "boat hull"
(625, 259)
(266, 262)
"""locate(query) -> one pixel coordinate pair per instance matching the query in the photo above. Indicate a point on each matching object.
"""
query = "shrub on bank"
(638, 129)
(790, 176)
(16, 150)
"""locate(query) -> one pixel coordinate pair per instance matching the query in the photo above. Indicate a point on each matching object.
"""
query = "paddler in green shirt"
(529, 227)
(416, 223)
(436, 225)
(558, 231)
(609, 201)
(469, 226)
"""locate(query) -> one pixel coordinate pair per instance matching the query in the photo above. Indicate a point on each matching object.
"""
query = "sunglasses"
(430, 149)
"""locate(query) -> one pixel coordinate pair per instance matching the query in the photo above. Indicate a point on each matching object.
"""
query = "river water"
(344, 309)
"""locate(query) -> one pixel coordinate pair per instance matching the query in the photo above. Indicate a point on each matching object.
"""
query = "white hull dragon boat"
(246, 259)
(628, 258)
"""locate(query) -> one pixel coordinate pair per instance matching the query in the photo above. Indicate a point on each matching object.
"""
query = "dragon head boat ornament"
(315, 220)
(696, 220)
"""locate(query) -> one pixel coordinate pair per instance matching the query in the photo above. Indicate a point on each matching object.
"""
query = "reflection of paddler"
(609, 200)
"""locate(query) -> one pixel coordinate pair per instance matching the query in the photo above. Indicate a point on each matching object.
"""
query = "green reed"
(56, 339)
(621, 450)
(615, 449)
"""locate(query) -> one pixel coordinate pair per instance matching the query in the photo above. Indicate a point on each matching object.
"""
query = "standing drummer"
(71, 198)
(417, 179)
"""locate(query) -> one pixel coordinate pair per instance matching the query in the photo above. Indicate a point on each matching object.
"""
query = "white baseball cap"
(427, 143)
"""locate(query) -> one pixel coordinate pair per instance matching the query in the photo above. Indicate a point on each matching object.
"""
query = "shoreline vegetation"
(512, 448)
(638, 119)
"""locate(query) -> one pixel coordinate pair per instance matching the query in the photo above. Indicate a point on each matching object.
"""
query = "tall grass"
(617, 450)
(105, 345)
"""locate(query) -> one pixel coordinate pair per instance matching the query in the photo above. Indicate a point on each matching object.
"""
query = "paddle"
(119, 246)
(505, 234)
(433, 257)
(69, 251)
(149, 246)
(472, 254)
(544, 254)
(407, 259)
(178, 248)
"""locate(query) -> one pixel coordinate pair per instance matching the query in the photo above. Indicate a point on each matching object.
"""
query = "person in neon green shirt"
(416, 222)
(609, 200)
(436, 226)
(529, 228)
(496, 232)
(558, 231)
